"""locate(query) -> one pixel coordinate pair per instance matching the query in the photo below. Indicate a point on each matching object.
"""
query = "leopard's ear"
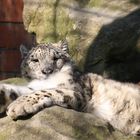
(63, 45)
(23, 50)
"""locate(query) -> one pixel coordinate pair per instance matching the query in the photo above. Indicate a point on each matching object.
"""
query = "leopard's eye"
(35, 60)
(55, 58)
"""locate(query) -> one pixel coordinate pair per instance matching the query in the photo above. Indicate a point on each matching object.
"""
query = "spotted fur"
(56, 81)
(43, 60)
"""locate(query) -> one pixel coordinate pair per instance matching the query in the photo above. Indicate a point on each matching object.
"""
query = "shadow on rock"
(115, 53)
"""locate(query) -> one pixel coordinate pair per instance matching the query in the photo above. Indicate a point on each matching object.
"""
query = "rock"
(57, 123)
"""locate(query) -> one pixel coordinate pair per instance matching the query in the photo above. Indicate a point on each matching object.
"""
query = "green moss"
(51, 23)
(4, 135)
(79, 135)
(94, 3)
(98, 133)
(63, 25)
(18, 81)
(56, 25)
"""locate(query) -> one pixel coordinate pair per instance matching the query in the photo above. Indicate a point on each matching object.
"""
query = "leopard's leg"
(9, 93)
(32, 103)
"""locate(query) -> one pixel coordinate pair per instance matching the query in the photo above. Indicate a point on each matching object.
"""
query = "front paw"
(21, 108)
(26, 105)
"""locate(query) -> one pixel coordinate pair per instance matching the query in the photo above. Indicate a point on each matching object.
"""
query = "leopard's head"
(44, 59)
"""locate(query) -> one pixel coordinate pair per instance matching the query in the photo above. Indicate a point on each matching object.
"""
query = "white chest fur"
(61, 77)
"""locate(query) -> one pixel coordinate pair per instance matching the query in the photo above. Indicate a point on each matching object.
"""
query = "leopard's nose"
(47, 71)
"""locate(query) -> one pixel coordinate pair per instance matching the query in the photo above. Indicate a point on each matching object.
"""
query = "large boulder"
(57, 123)
(103, 35)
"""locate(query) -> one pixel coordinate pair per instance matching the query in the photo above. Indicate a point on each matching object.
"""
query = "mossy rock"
(16, 81)
(57, 123)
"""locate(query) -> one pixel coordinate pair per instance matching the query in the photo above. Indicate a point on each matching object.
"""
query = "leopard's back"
(115, 102)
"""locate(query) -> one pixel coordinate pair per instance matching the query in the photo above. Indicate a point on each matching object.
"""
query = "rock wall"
(57, 123)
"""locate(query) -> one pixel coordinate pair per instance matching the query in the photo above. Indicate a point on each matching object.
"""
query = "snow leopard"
(55, 80)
